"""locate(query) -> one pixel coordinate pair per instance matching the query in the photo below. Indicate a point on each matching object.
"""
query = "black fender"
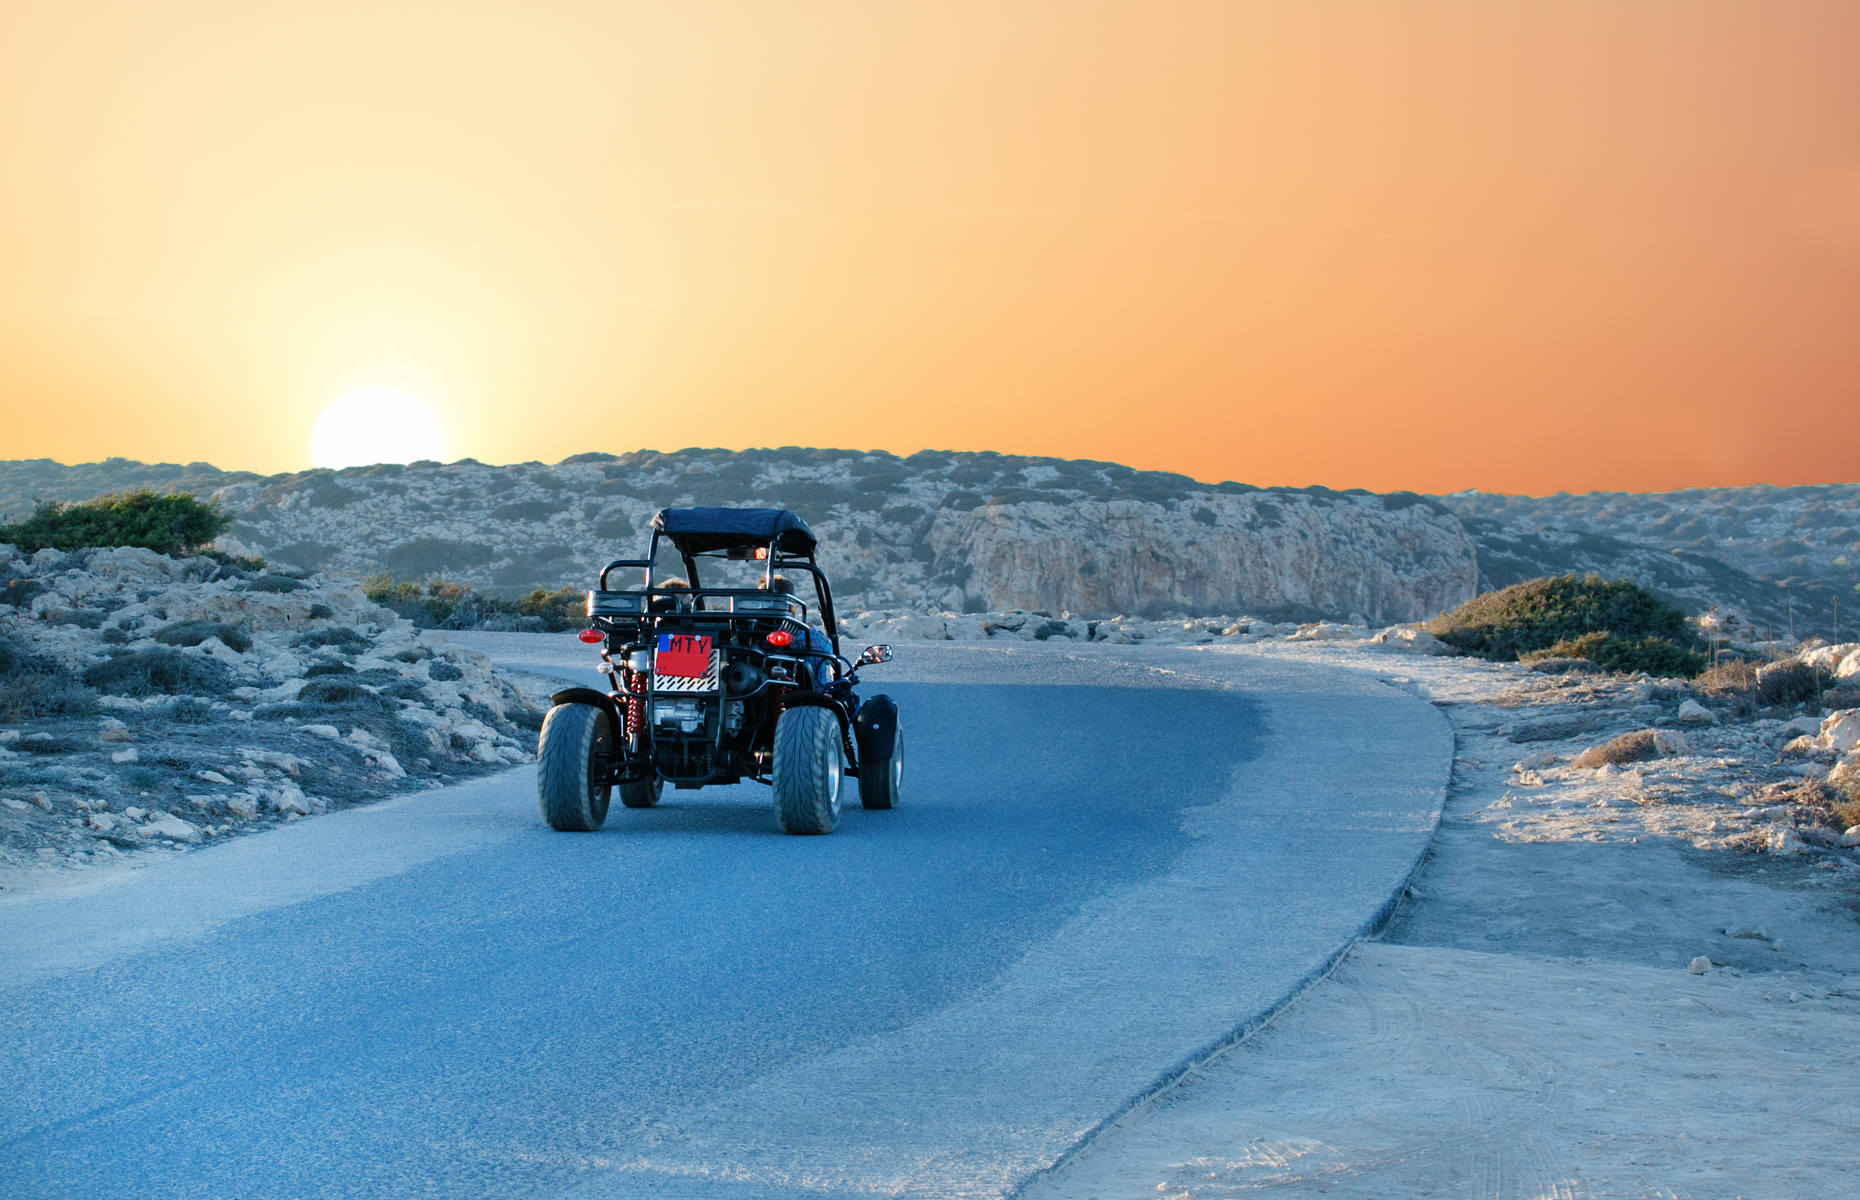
(821, 700)
(616, 720)
(876, 728)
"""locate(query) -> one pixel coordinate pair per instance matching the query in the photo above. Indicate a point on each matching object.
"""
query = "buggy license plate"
(684, 655)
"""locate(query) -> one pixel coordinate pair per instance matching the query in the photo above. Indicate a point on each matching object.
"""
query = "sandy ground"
(1527, 1025)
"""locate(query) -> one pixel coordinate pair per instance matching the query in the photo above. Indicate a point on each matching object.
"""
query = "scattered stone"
(116, 733)
(243, 806)
(167, 825)
(322, 731)
(212, 777)
(1785, 842)
(124, 756)
(1699, 965)
(1691, 712)
(15, 805)
(135, 814)
(290, 799)
(42, 800)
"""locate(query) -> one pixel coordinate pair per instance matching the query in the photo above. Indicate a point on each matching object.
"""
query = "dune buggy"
(715, 685)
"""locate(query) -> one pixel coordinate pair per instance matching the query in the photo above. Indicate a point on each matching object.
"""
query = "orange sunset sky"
(1417, 245)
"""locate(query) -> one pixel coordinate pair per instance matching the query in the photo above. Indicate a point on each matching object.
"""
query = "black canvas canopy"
(696, 530)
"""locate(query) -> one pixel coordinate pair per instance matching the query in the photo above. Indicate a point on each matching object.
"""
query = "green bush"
(441, 603)
(165, 522)
(1541, 613)
(192, 633)
(1654, 655)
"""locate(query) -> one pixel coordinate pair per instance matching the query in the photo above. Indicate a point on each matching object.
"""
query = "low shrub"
(1789, 682)
(1655, 656)
(344, 692)
(1541, 614)
(160, 672)
(142, 779)
(192, 633)
(444, 604)
(33, 686)
(32, 697)
(281, 584)
(335, 668)
(165, 522)
(1733, 677)
(83, 618)
(335, 635)
(191, 710)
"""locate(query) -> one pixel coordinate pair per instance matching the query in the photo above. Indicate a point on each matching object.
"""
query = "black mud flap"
(876, 728)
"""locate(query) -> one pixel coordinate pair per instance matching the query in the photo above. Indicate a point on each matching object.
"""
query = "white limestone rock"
(173, 828)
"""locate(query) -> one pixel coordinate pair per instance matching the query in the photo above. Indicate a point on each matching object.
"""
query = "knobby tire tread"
(807, 743)
(564, 750)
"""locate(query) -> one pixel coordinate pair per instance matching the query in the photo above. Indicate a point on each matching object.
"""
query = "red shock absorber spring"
(635, 707)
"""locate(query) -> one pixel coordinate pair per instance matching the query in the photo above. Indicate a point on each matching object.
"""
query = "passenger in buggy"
(810, 644)
(665, 604)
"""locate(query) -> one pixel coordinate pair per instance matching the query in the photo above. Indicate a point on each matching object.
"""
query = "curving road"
(1107, 862)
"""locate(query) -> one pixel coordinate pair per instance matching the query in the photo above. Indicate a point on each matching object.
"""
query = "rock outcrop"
(978, 532)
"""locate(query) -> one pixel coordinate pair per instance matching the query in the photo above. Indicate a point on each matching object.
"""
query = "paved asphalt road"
(1106, 861)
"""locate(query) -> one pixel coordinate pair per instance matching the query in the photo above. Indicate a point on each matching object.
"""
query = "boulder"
(1691, 712)
(1839, 732)
(1639, 746)
(167, 825)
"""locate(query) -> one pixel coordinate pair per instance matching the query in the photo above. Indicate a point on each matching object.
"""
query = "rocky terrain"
(934, 532)
(977, 532)
(149, 702)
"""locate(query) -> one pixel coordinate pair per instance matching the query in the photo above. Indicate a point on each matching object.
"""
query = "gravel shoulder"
(1601, 982)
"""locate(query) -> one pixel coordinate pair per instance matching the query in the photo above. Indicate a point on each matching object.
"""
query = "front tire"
(881, 779)
(809, 767)
(574, 743)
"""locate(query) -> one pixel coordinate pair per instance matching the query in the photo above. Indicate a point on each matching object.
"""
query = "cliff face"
(1326, 554)
(933, 532)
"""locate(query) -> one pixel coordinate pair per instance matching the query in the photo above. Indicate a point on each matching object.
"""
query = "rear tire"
(574, 738)
(809, 768)
(881, 779)
(642, 793)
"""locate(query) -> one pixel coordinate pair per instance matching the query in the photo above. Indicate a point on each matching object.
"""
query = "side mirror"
(874, 654)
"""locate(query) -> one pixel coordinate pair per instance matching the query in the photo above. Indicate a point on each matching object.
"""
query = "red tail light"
(781, 637)
(591, 636)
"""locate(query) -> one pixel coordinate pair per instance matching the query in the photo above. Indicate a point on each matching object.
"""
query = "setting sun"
(375, 425)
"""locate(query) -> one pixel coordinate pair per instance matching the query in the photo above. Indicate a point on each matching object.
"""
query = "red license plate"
(685, 655)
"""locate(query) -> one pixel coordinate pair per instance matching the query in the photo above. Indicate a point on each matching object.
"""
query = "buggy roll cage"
(730, 544)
